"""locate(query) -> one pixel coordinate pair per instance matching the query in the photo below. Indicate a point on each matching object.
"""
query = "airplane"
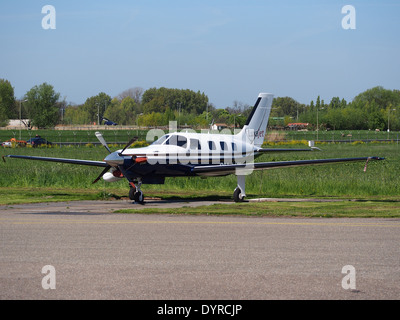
(108, 122)
(190, 154)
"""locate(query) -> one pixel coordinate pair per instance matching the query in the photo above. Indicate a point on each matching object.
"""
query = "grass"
(34, 181)
(117, 135)
(9, 196)
(82, 136)
(353, 209)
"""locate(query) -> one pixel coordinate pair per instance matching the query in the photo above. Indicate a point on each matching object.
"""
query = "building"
(297, 126)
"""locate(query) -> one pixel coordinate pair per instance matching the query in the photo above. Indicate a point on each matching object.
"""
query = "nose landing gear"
(135, 193)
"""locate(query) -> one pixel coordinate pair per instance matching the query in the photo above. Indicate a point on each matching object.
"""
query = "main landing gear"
(239, 194)
(135, 193)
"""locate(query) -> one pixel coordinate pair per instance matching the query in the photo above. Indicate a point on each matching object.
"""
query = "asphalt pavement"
(87, 252)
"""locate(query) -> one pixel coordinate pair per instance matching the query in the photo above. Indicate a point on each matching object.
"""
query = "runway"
(97, 254)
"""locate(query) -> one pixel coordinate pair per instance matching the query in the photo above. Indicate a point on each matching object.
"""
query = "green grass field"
(118, 135)
(76, 136)
(339, 209)
(32, 181)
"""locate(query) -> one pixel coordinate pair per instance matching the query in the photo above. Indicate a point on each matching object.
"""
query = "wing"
(266, 150)
(216, 170)
(72, 161)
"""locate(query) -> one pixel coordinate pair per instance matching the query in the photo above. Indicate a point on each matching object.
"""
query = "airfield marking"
(66, 221)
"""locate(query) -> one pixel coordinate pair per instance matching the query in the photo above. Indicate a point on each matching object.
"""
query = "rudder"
(256, 125)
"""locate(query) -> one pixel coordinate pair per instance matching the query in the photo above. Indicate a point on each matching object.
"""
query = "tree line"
(375, 108)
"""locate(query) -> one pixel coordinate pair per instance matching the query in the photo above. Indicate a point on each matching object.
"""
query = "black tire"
(236, 195)
(132, 192)
(138, 197)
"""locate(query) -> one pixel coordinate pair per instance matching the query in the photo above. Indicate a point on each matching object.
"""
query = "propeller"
(101, 174)
(128, 144)
(102, 141)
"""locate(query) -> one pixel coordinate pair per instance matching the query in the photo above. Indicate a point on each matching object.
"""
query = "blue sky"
(230, 50)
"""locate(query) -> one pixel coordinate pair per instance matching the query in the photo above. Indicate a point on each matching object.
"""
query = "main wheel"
(237, 195)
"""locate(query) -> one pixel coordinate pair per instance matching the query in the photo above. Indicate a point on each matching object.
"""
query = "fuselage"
(174, 154)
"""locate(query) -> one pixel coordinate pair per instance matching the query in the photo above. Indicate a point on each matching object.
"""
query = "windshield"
(161, 140)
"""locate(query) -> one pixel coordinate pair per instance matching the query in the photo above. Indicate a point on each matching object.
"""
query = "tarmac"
(98, 254)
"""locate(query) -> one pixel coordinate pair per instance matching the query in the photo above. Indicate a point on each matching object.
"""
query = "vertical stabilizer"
(256, 124)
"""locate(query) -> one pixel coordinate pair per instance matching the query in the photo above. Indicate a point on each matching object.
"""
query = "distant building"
(297, 126)
(219, 126)
(15, 123)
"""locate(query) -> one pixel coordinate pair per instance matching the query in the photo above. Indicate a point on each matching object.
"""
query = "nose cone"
(114, 159)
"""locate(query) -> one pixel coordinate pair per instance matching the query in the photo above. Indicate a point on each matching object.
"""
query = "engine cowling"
(113, 175)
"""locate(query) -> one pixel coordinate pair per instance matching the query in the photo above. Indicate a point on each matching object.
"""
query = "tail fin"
(256, 124)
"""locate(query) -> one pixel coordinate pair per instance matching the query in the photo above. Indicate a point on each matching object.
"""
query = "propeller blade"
(102, 141)
(101, 174)
(129, 143)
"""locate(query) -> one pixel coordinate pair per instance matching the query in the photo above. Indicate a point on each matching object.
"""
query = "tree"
(221, 116)
(157, 100)
(95, 106)
(285, 106)
(381, 96)
(123, 112)
(7, 102)
(134, 93)
(378, 102)
(3, 115)
(75, 115)
(318, 103)
(42, 106)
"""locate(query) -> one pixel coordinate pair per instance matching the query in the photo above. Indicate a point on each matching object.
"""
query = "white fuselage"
(195, 148)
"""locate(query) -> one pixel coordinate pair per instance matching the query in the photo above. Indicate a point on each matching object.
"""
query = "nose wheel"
(136, 194)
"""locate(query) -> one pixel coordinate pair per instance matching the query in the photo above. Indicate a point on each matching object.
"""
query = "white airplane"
(188, 154)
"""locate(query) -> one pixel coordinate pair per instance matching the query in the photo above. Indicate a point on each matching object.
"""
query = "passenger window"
(195, 144)
(211, 145)
(182, 141)
(234, 146)
(223, 145)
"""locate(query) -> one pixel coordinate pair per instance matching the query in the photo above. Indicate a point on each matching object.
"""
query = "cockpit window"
(177, 140)
(161, 140)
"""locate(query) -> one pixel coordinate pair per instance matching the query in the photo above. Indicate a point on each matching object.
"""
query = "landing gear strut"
(135, 193)
(239, 194)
